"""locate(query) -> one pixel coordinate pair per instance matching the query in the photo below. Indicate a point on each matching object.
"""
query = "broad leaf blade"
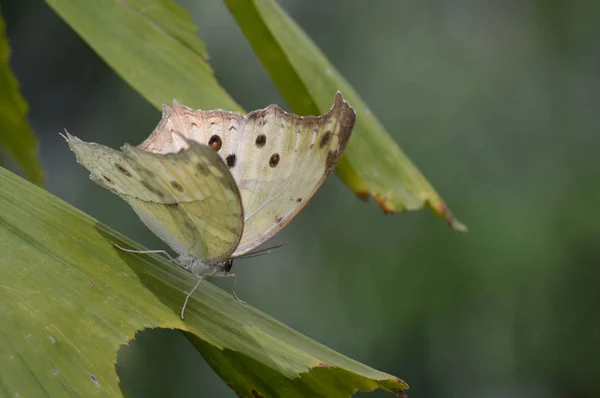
(373, 164)
(16, 136)
(69, 300)
(152, 45)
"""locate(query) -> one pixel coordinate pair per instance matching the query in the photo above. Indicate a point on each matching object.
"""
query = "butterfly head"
(218, 268)
(225, 266)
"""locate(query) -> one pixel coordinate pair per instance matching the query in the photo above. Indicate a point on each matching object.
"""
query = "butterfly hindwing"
(278, 160)
(187, 198)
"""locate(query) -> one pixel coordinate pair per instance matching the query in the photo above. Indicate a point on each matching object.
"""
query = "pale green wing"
(188, 198)
(278, 160)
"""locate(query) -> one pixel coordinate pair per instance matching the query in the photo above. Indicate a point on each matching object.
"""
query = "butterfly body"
(202, 268)
(214, 185)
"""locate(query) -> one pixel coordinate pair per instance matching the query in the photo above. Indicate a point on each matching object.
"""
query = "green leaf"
(152, 45)
(69, 299)
(16, 136)
(373, 164)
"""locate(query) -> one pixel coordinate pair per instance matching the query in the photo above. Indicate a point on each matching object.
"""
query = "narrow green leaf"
(152, 45)
(69, 299)
(373, 164)
(16, 136)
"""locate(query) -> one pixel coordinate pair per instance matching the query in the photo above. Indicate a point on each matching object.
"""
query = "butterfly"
(214, 185)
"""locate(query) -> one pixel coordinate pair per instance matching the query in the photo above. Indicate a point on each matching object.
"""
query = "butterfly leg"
(233, 289)
(188, 296)
(146, 252)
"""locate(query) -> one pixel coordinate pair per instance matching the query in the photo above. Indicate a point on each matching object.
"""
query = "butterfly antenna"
(188, 297)
(261, 252)
(251, 255)
(64, 136)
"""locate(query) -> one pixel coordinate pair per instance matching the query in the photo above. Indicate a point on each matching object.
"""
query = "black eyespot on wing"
(177, 186)
(261, 140)
(123, 170)
(152, 189)
(231, 159)
(145, 170)
(215, 142)
(325, 139)
(147, 186)
(202, 168)
(274, 161)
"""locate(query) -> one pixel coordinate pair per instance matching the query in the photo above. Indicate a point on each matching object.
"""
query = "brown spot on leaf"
(123, 170)
(255, 394)
(443, 210)
(95, 380)
(215, 142)
(261, 140)
(177, 186)
(325, 139)
(278, 218)
(274, 161)
(363, 195)
(231, 159)
(299, 200)
(384, 203)
(322, 365)
(400, 393)
(92, 284)
(108, 180)
(231, 386)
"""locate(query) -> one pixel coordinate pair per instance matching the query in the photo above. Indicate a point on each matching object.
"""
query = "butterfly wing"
(188, 198)
(278, 160)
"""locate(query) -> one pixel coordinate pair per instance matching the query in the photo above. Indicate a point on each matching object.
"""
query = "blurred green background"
(497, 102)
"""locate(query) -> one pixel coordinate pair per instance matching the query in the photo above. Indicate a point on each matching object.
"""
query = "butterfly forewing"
(189, 199)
